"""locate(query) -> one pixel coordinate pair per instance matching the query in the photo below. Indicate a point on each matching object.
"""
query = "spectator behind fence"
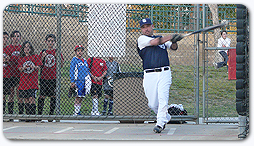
(98, 69)
(6, 70)
(224, 41)
(48, 75)
(80, 78)
(14, 49)
(113, 67)
(29, 65)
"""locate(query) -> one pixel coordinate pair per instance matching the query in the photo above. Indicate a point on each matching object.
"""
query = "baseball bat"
(207, 29)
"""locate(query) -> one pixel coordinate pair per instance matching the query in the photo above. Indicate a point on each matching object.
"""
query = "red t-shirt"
(29, 77)
(6, 65)
(97, 69)
(15, 51)
(49, 67)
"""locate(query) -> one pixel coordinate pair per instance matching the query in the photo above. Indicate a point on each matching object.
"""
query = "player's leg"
(150, 83)
(14, 82)
(52, 90)
(95, 111)
(96, 99)
(6, 91)
(77, 106)
(151, 91)
(21, 106)
(111, 102)
(163, 95)
(88, 84)
(225, 59)
(32, 105)
(27, 104)
(105, 103)
(44, 87)
(96, 93)
(81, 93)
(24, 94)
(4, 103)
(41, 100)
(93, 94)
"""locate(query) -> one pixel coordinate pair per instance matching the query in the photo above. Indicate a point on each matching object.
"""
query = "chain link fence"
(219, 66)
(108, 36)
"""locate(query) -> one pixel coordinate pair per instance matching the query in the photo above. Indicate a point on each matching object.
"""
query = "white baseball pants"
(156, 86)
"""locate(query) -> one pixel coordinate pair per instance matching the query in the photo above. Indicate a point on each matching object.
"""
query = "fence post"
(197, 66)
(204, 61)
(59, 59)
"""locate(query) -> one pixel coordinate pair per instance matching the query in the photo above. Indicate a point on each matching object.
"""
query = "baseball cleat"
(157, 129)
(164, 126)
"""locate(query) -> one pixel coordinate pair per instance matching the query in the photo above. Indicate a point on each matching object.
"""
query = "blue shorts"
(83, 87)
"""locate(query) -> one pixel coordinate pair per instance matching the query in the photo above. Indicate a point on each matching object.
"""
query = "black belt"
(156, 70)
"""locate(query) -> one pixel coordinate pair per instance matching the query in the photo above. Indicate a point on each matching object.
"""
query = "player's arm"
(160, 40)
(102, 76)
(43, 54)
(219, 43)
(20, 66)
(72, 70)
(228, 41)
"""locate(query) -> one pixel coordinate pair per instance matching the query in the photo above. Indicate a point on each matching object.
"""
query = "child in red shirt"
(98, 69)
(48, 75)
(29, 64)
(14, 49)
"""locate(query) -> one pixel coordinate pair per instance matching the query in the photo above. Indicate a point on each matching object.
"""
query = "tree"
(215, 19)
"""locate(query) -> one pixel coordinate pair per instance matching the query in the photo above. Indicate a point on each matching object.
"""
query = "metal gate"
(218, 73)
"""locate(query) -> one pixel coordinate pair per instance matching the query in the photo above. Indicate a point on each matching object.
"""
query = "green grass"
(221, 94)
(221, 91)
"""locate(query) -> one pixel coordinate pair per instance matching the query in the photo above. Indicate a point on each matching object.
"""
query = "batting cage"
(85, 63)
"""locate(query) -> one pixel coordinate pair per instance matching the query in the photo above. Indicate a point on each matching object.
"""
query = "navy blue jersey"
(152, 56)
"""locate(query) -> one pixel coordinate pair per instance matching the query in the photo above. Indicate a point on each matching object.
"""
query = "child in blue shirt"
(80, 77)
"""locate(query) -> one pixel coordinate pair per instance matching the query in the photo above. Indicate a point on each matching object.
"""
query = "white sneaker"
(95, 113)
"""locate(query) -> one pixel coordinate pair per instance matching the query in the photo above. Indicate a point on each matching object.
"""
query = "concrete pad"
(116, 131)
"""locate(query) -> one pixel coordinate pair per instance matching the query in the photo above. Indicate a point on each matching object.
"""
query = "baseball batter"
(157, 74)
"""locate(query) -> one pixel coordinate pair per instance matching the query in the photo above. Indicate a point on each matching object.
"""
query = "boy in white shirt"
(224, 41)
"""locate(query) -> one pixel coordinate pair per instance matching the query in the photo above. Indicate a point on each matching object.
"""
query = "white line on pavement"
(111, 130)
(171, 131)
(10, 128)
(61, 131)
(87, 130)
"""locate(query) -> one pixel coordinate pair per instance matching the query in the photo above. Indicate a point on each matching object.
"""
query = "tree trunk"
(215, 18)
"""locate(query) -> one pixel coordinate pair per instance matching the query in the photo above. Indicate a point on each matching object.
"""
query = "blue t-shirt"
(153, 56)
